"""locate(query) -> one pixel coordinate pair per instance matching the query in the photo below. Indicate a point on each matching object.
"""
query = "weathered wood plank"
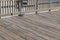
(30, 27)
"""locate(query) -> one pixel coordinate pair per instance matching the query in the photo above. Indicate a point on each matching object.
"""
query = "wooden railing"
(8, 8)
(12, 8)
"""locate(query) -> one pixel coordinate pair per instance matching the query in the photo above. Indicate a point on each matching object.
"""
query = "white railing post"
(50, 6)
(20, 8)
(36, 6)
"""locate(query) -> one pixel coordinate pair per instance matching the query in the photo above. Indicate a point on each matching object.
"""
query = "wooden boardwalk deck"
(31, 27)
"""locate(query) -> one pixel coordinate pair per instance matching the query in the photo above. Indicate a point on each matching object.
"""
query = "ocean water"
(55, 0)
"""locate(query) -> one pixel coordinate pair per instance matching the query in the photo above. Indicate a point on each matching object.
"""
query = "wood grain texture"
(30, 27)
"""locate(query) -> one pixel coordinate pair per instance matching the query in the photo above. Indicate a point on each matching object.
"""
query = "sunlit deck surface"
(44, 26)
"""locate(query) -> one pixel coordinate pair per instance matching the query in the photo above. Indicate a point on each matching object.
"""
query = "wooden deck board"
(30, 27)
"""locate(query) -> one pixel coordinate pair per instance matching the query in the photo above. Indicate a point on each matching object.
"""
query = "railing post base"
(49, 10)
(21, 15)
(11, 13)
(36, 12)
